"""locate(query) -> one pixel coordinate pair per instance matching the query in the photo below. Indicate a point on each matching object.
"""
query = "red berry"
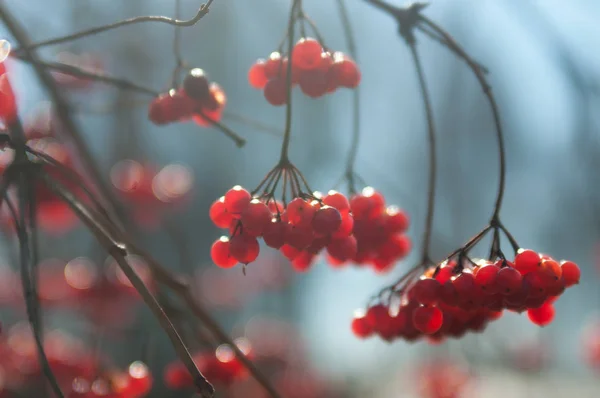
(360, 326)
(486, 278)
(570, 273)
(343, 249)
(195, 84)
(300, 212)
(395, 221)
(303, 261)
(289, 252)
(298, 236)
(274, 233)
(425, 291)
(326, 221)
(313, 83)
(273, 66)
(244, 248)
(257, 75)
(307, 54)
(526, 261)
(346, 227)
(345, 71)
(256, 217)
(509, 280)
(214, 103)
(464, 284)
(219, 215)
(550, 271)
(377, 316)
(541, 316)
(427, 320)
(338, 201)
(220, 253)
(158, 110)
(276, 91)
(236, 200)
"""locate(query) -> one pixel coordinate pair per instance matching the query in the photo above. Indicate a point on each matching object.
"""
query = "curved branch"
(131, 21)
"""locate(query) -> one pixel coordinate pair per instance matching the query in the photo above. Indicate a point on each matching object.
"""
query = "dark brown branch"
(109, 238)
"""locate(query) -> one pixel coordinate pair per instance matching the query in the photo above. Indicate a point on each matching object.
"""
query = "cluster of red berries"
(197, 99)
(359, 230)
(449, 300)
(316, 70)
(149, 191)
(219, 367)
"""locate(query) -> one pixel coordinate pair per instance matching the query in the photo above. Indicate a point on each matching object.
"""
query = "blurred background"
(545, 72)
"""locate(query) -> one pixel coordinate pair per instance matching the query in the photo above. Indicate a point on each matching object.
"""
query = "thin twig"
(487, 90)
(351, 162)
(74, 36)
(73, 70)
(425, 256)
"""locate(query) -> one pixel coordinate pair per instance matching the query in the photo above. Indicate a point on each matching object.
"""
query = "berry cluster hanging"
(197, 99)
(361, 230)
(315, 69)
(463, 295)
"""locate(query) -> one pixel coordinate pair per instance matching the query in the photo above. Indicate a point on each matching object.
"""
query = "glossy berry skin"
(219, 215)
(343, 249)
(300, 212)
(274, 234)
(338, 201)
(244, 248)
(361, 328)
(570, 273)
(541, 316)
(196, 84)
(221, 254)
(307, 54)
(527, 261)
(255, 218)
(425, 291)
(486, 278)
(236, 200)
(257, 76)
(326, 221)
(345, 71)
(509, 281)
(427, 320)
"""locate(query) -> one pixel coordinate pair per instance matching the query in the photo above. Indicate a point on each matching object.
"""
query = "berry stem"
(239, 141)
(202, 11)
(179, 64)
(288, 109)
(425, 256)
(350, 41)
(479, 73)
